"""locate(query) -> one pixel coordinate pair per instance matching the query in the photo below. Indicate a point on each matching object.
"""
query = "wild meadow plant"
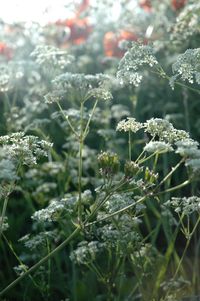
(112, 213)
(114, 217)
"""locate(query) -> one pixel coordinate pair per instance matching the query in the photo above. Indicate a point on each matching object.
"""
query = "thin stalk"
(129, 145)
(171, 172)
(184, 252)
(175, 187)
(53, 252)
(49, 267)
(165, 76)
(164, 265)
(155, 162)
(117, 212)
(22, 264)
(42, 261)
(89, 120)
(186, 247)
(80, 166)
(67, 118)
(143, 151)
(3, 213)
(147, 158)
(186, 110)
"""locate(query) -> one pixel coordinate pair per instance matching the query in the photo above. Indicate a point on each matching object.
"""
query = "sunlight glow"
(41, 11)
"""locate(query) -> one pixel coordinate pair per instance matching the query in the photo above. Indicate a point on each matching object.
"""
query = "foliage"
(99, 154)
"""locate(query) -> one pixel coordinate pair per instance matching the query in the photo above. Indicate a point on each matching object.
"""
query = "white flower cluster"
(46, 56)
(100, 93)
(118, 201)
(187, 22)
(7, 170)
(194, 165)
(123, 235)
(81, 85)
(186, 205)
(86, 252)
(5, 78)
(130, 65)
(24, 149)
(188, 148)
(129, 124)
(4, 225)
(39, 240)
(57, 207)
(158, 147)
(51, 213)
(20, 269)
(164, 130)
(187, 67)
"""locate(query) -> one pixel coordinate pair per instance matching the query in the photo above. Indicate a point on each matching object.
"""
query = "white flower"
(129, 124)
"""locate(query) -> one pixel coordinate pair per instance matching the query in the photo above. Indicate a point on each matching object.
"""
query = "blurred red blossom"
(111, 42)
(178, 4)
(6, 51)
(82, 7)
(145, 5)
(80, 28)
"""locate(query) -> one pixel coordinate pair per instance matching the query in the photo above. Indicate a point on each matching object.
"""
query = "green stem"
(155, 162)
(186, 109)
(171, 172)
(42, 261)
(80, 167)
(53, 252)
(175, 187)
(89, 120)
(129, 145)
(118, 211)
(3, 213)
(21, 263)
(67, 118)
(186, 247)
(183, 255)
(162, 73)
(147, 158)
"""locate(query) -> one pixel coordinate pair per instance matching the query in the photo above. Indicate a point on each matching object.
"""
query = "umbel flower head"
(81, 86)
(129, 124)
(164, 130)
(50, 57)
(187, 67)
(187, 22)
(130, 65)
(24, 149)
(158, 147)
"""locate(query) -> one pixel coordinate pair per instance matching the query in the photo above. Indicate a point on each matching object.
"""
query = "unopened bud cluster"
(108, 163)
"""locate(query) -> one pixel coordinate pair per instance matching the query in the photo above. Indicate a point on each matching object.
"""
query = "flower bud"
(131, 169)
(108, 163)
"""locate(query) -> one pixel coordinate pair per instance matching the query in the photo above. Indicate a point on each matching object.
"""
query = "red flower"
(146, 5)
(111, 42)
(80, 29)
(178, 4)
(6, 51)
(82, 7)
